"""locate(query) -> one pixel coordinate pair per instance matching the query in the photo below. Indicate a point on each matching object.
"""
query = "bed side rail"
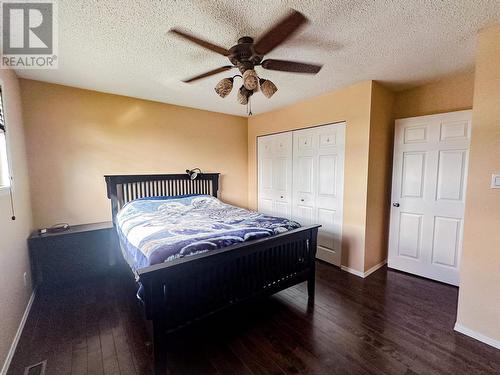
(189, 288)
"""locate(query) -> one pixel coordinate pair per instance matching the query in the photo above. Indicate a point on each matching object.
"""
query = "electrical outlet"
(25, 279)
(495, 181)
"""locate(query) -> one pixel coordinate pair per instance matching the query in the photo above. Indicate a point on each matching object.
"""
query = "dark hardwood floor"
(388, 323)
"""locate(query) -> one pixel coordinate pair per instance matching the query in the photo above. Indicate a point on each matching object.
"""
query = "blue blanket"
(157, 230)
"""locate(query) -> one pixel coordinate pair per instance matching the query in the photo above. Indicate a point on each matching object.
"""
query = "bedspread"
(160, 229)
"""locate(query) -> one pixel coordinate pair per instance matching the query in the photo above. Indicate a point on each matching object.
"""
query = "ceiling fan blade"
(212, 47)
(280, 32)
(291, 66)
(208, 74)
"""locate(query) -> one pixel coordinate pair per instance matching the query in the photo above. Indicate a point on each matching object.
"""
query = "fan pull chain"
(249, 106)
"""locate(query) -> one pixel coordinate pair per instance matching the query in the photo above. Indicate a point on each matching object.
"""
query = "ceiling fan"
(248, 54)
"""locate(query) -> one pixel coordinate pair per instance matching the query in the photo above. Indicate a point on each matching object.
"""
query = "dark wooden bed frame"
(179, 292)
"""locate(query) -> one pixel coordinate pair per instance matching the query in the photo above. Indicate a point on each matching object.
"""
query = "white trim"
(7, 132)
(436, 115)
(476, 335)
(364, 274)
(353, 271)
(17, 336)
(375, 267)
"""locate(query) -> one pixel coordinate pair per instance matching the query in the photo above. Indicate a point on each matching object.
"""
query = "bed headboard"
(125, 188)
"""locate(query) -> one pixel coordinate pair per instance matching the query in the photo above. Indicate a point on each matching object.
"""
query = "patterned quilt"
(156, 230)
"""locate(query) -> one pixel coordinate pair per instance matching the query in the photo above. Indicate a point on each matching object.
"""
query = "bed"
(194, 255)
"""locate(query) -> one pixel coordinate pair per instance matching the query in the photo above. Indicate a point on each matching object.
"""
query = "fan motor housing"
(243, 55)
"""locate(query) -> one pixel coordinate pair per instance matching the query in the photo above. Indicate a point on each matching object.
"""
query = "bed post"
(311, 279)
(113, 195)
(154, 298)
(159, 345)
(215, 186)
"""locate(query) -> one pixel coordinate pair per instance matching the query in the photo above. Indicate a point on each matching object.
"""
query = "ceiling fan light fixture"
(247, 54)
(250, 79)
(268, 88)
(243, 95)
(224, 87)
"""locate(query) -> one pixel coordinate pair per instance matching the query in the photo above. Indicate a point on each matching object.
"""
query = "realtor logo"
(29, 31)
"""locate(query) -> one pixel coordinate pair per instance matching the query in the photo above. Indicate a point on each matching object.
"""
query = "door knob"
(302, 199)
(281, 197)
(395, 204)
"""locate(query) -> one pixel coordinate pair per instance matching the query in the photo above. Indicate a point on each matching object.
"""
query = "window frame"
(5, 189)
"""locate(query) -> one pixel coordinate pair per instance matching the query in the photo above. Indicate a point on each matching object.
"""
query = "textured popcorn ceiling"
(122, 46)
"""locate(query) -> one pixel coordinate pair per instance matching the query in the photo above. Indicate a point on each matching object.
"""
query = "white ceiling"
(122, 46)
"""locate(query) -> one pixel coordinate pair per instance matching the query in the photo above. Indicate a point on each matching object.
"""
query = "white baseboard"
(375, 267)
(13, 346)
(476, 335)
(364, 274)
(353, 271)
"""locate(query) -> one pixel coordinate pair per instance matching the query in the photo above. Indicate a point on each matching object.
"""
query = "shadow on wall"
(346, 250)
(221, 196)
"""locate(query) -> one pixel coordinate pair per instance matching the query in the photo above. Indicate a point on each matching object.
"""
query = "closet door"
(318, 180)
(275, 174)
(305, 144)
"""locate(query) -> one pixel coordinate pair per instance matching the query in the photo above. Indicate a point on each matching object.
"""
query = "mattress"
(161, 229)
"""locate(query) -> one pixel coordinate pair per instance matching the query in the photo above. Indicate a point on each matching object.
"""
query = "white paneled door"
(318, 184)
(428, 195)
(275, 174)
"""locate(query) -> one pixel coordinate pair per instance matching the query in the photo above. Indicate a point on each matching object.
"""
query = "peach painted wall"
(77, 136)
(14, 261)
(479, 297)
(453, 93)
(379, 176)
(351, 104)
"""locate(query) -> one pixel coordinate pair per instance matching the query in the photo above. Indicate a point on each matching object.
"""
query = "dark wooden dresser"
(81, 252)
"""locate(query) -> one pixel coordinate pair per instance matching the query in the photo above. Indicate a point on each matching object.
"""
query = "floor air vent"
(36, 369)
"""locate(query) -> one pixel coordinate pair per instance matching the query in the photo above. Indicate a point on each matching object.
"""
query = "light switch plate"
(495, 181)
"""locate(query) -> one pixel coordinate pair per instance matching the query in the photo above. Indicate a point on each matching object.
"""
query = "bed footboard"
(179, 292)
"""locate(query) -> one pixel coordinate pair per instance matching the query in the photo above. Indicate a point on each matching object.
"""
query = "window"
(4, 163)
